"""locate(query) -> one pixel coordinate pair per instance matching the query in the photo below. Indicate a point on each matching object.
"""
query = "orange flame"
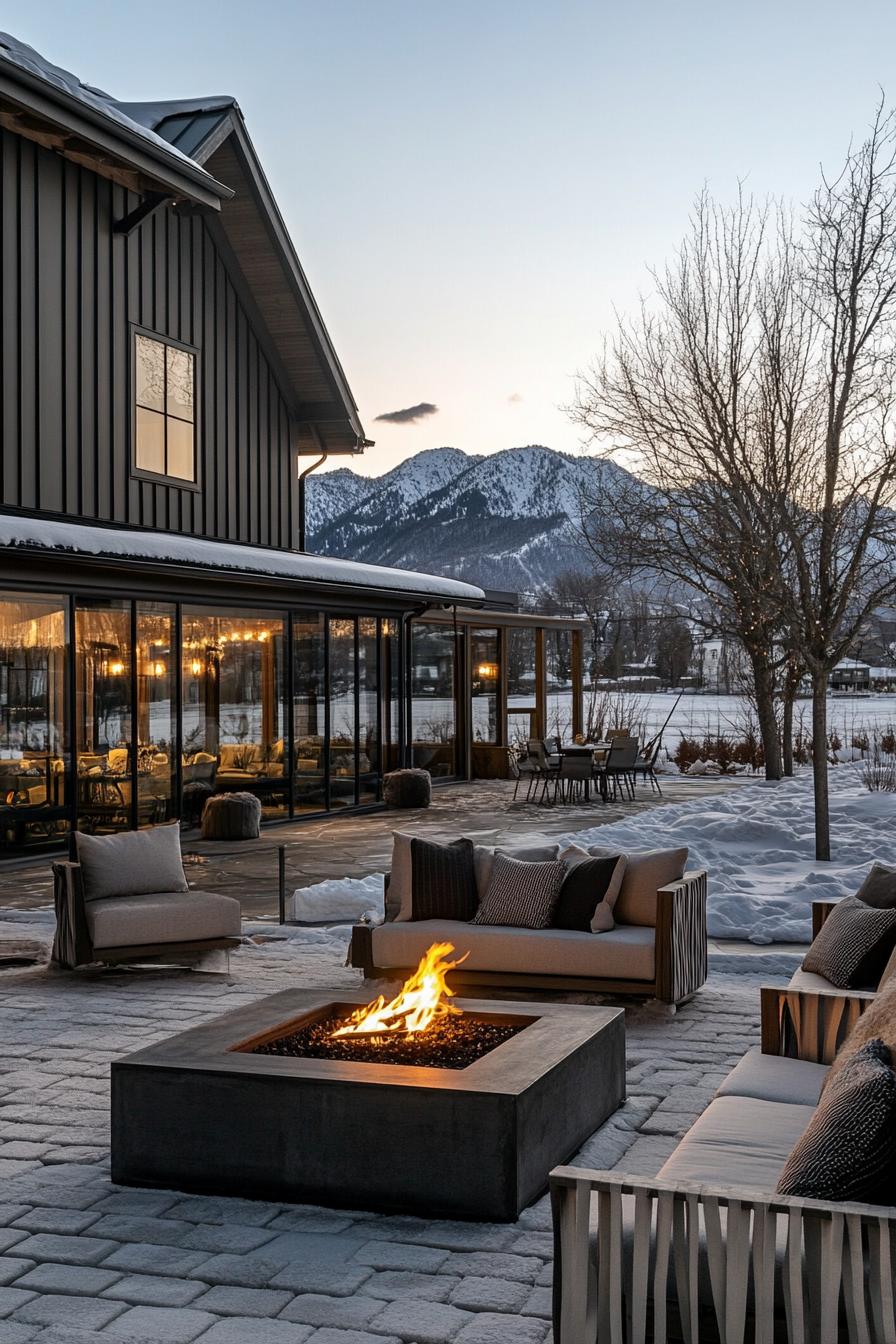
(421, 999)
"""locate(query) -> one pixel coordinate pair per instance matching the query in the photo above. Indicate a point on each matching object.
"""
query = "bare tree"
(680, 393)
(830, 349)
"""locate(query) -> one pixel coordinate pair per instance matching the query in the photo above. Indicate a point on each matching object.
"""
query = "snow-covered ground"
(757, 844)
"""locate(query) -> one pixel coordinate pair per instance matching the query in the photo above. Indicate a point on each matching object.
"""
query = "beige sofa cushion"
(642, 878)
(162, 917)
(807, 982)
(775, 1078)
(620, 954)
(739, 1141)
(131, 863)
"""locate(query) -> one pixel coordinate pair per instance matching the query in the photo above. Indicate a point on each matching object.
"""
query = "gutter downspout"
(302, 474)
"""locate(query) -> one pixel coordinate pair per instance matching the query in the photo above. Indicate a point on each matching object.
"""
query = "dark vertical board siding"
(121, 203)
(70, 291)
(49, 220)
(10, 303)
(104, 335)
(71, 402)
(29, 425)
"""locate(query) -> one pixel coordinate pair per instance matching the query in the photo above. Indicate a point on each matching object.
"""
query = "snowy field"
(756, 842)
(696, 715)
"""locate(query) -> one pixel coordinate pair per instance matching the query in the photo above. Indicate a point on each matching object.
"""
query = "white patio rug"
(81, 1259)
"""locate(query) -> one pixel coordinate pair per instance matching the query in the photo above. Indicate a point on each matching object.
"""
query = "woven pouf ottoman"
(407, 788)
(232, 816)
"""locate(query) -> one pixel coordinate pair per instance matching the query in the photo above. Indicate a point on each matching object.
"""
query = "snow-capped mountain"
(503, 521)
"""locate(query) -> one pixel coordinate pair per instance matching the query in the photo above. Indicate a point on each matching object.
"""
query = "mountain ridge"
(501, 520)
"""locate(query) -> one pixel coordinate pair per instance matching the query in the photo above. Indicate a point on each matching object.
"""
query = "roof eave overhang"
(182, 578)
(171, 173)
(344, 412)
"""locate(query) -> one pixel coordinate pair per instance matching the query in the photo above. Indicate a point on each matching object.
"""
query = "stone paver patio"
(82, 1259)
(351, 845)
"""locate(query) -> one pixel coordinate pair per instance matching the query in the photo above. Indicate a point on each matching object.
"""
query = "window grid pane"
(164, 427)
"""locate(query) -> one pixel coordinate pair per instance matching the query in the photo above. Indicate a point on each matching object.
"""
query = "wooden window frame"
(140, 473)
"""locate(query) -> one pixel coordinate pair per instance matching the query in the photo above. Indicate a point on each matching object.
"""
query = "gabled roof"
(198, 150)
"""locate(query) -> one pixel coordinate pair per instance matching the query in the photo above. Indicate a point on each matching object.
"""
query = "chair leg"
(516, 788)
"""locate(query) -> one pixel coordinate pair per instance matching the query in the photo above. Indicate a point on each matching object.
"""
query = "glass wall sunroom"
(118, 713)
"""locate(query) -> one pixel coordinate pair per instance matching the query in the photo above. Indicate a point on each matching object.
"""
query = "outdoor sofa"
(127, 899)
(707, 1250)
(657, 949)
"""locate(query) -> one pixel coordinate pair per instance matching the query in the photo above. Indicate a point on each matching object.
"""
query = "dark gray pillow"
(853, 945)
(582, 903)
(879, 887)
(848, 1151)
(521, 895)
(443, 883)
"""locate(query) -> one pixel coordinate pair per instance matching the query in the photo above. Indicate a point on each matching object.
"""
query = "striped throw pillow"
(521, 895)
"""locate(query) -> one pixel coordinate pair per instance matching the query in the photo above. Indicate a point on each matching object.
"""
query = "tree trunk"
(787, 734)
(820, 764)
(764, 689)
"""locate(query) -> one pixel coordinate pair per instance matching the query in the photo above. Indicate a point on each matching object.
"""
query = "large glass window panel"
(180, 383)
(309, 713)
(433, 709)
(234, 708)
(103, 715)
(343, 721)
(485, 681)
(180, 449)
(521, 684)
(34, 745)
(391, 672)
(156, 718)
(368, 711)
(558, 673)
(164, 401)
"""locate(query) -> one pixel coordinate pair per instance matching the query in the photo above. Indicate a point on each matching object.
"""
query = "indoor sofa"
(657, 949)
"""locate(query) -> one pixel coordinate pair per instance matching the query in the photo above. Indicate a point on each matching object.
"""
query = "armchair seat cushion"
(775, 1078)
(162, 917)
(739, 1141)
(624, 953)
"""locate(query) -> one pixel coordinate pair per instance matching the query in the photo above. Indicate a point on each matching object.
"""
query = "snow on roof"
(19, 54)
(168, 548)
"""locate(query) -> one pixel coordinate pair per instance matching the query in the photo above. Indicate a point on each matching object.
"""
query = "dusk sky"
(473, 186)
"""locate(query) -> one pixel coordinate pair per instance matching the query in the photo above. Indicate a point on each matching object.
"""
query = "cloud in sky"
(410, 415)
(515, 396)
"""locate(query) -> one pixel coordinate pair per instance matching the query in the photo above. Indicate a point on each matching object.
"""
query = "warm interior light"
(158, 669)
(196, 667)
(487, 671)
(421, 999)
(116, 669)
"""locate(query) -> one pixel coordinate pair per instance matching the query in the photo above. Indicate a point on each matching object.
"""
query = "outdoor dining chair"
(645, 765)
(523, 768)
(619, 767)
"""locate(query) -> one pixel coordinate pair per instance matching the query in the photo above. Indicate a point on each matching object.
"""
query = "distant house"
(850, 675)
(166, 383)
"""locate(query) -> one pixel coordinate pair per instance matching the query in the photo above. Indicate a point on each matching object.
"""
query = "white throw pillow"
(132, 863)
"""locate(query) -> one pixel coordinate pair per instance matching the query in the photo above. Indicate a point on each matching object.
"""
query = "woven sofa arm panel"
(681, 946)
(809, 1024)
(602, 1281)
(71, 942)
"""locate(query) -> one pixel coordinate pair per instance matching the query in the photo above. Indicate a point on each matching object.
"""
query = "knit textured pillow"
(848, 1151)
(443, 883)
(853, 945)
(583, 903)
(521, 895)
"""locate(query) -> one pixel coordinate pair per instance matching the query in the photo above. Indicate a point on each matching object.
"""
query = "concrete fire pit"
(202, 1112)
